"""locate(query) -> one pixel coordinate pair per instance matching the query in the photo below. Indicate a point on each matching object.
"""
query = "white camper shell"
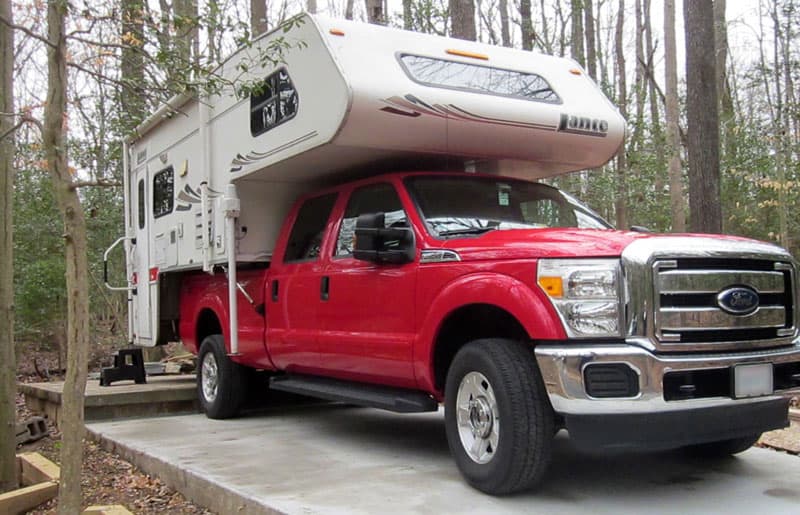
(209, 182)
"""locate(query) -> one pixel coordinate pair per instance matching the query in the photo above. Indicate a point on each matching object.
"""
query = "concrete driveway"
(340, 459)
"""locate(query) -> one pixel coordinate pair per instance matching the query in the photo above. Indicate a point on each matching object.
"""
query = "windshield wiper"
(470, 230)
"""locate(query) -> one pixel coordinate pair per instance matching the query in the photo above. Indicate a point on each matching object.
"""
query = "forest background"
(621, 43)
(85, 73)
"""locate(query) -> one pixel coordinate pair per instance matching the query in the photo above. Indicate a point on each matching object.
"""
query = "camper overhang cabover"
(343, 100)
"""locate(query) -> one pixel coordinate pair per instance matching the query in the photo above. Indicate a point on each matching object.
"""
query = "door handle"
(324, 288)
(275, 290)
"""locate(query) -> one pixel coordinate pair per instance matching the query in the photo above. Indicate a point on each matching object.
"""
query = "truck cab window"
(459, 206)
(305, 239)
(163, 192)
(376, 198)
(273, 103)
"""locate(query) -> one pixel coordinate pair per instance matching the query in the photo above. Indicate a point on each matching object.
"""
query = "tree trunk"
(672, 115)
(462, 19)
(375, 12)
(591, 44)
(526, 24)
(702, 116)
(348, 10)
(576, 42)
(622, 103)
(77, 270)
(311, 6)
(505, 33)
(8, 368)
(258, 17)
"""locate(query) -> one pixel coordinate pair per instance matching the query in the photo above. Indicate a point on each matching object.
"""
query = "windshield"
(461, 205)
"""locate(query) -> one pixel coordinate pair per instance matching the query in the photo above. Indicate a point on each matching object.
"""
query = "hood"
(561, 243)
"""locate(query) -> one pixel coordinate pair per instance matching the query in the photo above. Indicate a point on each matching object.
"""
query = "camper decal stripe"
(413, 106)
(189, 197)
(252, 157)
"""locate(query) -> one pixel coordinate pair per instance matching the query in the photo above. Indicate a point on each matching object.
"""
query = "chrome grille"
(687, 312)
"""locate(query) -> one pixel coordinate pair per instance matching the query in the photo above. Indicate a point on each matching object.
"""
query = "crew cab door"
(367, 312)
(293, 292)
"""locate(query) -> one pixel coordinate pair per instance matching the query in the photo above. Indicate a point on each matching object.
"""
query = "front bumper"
(637, 421)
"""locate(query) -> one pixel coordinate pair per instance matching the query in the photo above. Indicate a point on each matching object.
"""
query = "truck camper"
(359, 223)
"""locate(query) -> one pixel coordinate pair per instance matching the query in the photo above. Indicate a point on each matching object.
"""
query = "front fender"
(526, 303)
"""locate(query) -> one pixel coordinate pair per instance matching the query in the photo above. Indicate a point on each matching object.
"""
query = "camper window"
(273, 103)
(479, 79)
(163, 192)
(305, 241)
(141, 203)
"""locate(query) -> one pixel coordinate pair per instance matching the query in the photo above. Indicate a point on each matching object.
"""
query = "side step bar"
(399, 400)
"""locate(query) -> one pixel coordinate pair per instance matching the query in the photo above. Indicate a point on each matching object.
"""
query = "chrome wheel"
(477, 417)
(209, 376)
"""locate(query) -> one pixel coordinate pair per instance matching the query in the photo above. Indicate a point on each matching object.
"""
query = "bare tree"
(348, 10)
(132, 99)
(672, 114)
(526, 24)
(462, 19)
(723, 88)
(311, 6)
(408, 13)
(505, 33)
(576, 42)
(8, 368)
(702, 115)
(655, 121)
(376, 11)
(622, 103)
(77, 269)
(591, 43)
(258, 17)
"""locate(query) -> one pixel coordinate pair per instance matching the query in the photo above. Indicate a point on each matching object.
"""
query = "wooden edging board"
(39, 479)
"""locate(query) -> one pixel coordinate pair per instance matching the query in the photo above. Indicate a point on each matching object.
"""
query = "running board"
(399, 400)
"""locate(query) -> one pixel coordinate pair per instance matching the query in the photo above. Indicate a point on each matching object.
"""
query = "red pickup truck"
(520, 310)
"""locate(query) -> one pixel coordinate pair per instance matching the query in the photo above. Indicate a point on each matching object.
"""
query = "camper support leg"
(231, 206)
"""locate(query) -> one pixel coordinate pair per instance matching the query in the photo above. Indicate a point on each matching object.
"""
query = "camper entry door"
(142, 299)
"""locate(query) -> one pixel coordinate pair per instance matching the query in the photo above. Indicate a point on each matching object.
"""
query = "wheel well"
(207, 324)
(471, 323)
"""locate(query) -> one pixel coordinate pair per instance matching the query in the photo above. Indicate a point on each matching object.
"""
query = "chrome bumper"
(562, 369)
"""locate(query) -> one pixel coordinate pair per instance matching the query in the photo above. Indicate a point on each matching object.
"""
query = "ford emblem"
(739, 300)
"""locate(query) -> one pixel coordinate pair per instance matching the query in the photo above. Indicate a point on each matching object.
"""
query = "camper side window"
(305, 241)
(163, 192)
(141, 203)
(273, 103)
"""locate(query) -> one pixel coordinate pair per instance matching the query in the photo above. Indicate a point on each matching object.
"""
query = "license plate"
(752, 380)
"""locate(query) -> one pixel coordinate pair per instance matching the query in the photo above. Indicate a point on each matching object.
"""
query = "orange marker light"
(553, 286)
(336, 32)
(575, 71)
(463, 53)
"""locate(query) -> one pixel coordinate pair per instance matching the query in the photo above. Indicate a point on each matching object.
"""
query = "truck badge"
(739, 300)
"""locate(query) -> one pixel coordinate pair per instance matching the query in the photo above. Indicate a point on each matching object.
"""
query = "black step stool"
(128, 364)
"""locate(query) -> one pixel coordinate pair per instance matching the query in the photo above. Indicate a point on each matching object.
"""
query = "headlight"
(586, 294)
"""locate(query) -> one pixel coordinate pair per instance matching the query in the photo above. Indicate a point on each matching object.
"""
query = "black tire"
(723, 448)
(524, 436)
(220, 395)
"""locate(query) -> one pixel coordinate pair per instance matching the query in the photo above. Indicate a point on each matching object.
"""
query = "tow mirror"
(379, 244)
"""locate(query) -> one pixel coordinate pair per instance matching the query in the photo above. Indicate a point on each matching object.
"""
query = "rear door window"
(305, 240)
